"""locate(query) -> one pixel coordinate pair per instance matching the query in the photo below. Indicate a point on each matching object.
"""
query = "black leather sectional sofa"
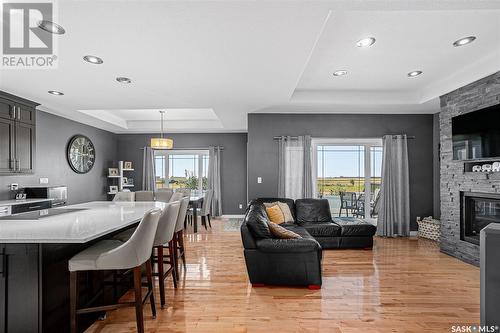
(276, 261)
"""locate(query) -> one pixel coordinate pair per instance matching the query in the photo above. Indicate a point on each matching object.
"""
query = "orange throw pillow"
(275, 214)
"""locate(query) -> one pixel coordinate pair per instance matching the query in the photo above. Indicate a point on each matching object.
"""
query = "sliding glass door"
(347, 173)
(182, 169)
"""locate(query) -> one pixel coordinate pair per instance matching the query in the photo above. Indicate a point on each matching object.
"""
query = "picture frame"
(113, 189)
(127, 165)
(125, 181)
(130, 181)
(113, 172)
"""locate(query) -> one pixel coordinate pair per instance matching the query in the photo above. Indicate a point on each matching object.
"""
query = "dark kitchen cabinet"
(19, 290)
(17, 134)
(7, 129)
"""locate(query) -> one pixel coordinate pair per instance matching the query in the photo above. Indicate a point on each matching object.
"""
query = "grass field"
(335, 185)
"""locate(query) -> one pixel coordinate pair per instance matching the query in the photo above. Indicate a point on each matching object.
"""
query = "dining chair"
(204, 211)
(124, 196)
(144, 196)
(112, 254)
(164, 194)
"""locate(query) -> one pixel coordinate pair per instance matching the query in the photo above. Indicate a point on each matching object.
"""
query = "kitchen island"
(34, 251)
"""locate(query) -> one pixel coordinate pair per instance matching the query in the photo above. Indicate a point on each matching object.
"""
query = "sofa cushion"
(256, 220)
(280, 232)
(285, 209)
(322, 229)
(297, 229)
(352, 226)
(312, 210)
(275, 214)
(289, 202)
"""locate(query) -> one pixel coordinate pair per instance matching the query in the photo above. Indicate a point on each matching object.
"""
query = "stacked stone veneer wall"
(453, 180)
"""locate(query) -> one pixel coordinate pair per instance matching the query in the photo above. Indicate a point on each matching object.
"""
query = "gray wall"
(263, 151)
(475, 96)
(233, 166)
(52, 136)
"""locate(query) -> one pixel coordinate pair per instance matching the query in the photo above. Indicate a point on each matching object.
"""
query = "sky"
(346, 161)
(179, 164)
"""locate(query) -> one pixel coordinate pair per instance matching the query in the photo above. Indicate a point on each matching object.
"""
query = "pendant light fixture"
(161, 142)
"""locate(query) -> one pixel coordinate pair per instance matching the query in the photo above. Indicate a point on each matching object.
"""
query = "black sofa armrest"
(275, 245)
(247, 237)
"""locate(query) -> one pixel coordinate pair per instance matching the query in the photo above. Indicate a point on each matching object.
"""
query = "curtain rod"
(316, 137)
(199, 148)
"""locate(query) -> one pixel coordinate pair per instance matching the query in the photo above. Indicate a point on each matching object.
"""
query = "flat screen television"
(476, 134)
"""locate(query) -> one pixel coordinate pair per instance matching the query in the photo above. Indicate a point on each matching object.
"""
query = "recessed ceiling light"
(54, 92)
(464, 41)
(340, 73)
(414, 73)
(122, 79)
(51, 27)
(365, 42)
(93, 59)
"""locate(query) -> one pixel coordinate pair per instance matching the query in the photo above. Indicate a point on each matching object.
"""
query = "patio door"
(347, 172)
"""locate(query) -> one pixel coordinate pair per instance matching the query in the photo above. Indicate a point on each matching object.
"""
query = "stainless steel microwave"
(58, 194)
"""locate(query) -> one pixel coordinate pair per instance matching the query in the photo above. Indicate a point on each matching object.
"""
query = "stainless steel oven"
(58, 194)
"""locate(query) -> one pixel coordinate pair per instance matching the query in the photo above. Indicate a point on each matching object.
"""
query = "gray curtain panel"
(148, 169)
(394, 212)
(214, 179)
(295, 167)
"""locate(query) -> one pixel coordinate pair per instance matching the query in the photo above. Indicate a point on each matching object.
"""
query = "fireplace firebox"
(477, 211)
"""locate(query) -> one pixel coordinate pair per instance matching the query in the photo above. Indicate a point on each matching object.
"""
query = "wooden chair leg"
(73, 300)
(161, 271)
(204, 222)
(149, 274)
(209, 222)
(181, 245)
(138, 300)
(172, 262)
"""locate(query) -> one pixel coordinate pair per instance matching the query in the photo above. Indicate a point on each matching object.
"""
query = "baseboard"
(413, 233)
(232, 216)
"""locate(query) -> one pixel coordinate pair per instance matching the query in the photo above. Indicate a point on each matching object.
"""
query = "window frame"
(366, 142)
(200, 155)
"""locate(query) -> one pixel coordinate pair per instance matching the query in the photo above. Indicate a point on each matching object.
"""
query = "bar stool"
(124, 196)
(144, 196)
(164, 240)
(176, 196)
(179, 234)
(115, 255)
(164, 194)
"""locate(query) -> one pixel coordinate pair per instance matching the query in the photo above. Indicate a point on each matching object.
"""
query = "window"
(182, 169)
(348, 174)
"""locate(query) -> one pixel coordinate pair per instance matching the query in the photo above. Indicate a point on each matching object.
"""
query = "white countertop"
(20, 202)
(98, 219)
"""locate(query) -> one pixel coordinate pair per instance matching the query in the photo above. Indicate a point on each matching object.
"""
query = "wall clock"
(81, 154)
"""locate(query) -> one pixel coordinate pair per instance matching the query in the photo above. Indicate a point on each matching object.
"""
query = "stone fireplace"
(456, 182)
(477, 210)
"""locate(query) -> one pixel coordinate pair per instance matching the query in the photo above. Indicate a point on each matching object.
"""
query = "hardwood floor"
(403, 285)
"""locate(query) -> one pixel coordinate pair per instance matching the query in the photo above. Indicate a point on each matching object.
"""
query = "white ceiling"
(211, 63)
